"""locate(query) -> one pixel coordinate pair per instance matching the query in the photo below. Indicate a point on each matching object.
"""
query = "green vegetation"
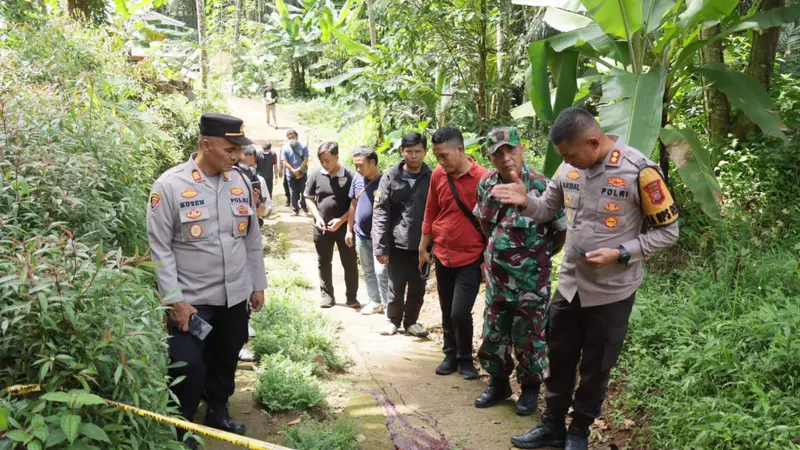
(295, 344)
(340, 434)
(84, 133)
(275, 243)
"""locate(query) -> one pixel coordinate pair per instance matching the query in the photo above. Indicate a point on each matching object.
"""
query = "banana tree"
(647, 49)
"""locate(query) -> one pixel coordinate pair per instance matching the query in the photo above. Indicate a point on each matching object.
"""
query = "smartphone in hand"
(199, 327)
(425, 273)
(580, 251)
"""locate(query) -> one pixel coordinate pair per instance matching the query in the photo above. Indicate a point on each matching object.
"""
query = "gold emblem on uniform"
(189, 193)
(614, 159)
(617, 181)
(243, 209)
(568, 199)
(196, 175)
(653, 190)
(612, 207)
(196, 231)
(242, 226)
(194, 213)
(225, 176)
(573, 175)
(611, 222)
(237, 191)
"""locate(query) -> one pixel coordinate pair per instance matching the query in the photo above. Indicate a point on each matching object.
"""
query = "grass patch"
(340, 434)
(284, 384)
(713, 353)
(275, 242)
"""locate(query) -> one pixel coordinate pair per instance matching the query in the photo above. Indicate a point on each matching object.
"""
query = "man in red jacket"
(457, 245)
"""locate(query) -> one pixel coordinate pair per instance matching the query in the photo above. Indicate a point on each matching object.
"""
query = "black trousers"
(286, 190)
(210, 364)
(324, 243)
(458, 288)
(404, 272)
(269, 187)
(296, 187)
(593, 336)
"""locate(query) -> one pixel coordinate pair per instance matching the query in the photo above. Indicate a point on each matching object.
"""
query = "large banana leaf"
(564, 20)
(537, 81)
(702, 11)
(565, 95)
(576, 38)
(569, 5)
(619, 18)
(356, 48)
(746, 94)
(283, 11)
(339, 79)
(694, 165)
(635, 114)
(653, 12)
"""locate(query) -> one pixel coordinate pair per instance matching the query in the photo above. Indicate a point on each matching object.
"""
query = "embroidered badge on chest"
(242, 226)
(655, 192)
(573, 175)
(617, 181)
(194, 213)
(243, 209)
(237, 191)
(189, 193)
(155, 200)
(195, 231)
(611, 222)
(612, 207)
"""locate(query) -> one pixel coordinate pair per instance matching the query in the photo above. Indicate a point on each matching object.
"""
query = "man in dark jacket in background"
(399, 208)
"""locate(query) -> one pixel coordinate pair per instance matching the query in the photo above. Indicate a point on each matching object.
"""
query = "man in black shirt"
(266, 165)
(329, 191)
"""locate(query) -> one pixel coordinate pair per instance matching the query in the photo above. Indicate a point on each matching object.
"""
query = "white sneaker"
(251, 332)
(372, 308)
(417, 330)
(246, 355)
(389, 330)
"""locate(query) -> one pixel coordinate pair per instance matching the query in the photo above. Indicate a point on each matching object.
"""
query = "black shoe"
(192, 444)
(550, 432)
(287, 204)
(305, 210)
(467, 369)
(354, 304)
(327, 303)
(577, 438)
(448, 366)
(499, 389)
(219, 418)
(528, 401)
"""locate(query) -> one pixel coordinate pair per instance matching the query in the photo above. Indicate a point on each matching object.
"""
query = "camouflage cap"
(501, 136)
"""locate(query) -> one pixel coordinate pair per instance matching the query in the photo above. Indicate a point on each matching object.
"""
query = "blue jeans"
(375, 274)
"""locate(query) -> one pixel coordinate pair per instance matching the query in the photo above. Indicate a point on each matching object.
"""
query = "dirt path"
(392, 390)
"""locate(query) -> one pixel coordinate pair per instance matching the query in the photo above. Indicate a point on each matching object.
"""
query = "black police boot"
(577, 438)
(218, 417)
(551, 432)
(448, 366)
(528, 401)
(467, 369)
(192, 444)
(499, 389)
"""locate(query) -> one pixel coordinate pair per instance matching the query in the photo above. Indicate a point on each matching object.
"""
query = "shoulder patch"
(155, 200)
(656, 201)
(615, 158)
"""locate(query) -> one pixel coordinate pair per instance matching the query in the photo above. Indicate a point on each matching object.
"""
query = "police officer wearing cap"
(203, 231)
(609, 190)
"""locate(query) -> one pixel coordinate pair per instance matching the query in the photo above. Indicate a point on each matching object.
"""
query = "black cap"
(225, 126)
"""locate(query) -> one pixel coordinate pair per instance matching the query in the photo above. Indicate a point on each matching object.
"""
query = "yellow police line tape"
(246, 442)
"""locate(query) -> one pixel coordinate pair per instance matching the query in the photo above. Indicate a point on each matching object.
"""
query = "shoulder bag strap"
(365, 187)
(467, 213)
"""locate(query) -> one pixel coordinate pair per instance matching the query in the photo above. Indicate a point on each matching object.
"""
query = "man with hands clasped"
(608, 189)
(328, 190)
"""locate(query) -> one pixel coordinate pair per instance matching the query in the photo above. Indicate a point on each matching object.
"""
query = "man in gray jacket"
(399, 208)
(203, 231)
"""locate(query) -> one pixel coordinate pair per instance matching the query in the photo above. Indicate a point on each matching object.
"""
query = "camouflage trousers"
(515, 316)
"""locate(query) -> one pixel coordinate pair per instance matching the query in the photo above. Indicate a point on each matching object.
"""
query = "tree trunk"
(79, 9)
(716, 103)
(761, 63)
(373, 39)
(481, 76)
(297, 81)
(236, 19)
(201, 41)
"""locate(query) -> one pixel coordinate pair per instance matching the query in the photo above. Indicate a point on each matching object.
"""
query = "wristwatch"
(624, 256)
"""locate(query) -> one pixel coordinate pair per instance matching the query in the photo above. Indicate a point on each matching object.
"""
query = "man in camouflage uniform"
(518, 282)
